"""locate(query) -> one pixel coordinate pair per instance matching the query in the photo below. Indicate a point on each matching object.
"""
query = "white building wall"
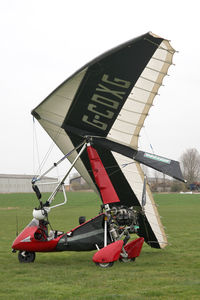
(22, 184)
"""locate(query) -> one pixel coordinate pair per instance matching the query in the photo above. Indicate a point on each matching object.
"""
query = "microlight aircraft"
(95, 118)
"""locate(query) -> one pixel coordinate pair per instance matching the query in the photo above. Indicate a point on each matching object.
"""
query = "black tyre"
(133, 258)
(105, 265)
(26, 257)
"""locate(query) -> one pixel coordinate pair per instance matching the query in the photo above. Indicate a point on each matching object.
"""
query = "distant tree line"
(190, 164)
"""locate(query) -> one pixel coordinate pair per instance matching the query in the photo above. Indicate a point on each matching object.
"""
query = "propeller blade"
(144, 198)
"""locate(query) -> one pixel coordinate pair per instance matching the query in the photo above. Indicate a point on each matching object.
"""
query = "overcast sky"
(43, 42)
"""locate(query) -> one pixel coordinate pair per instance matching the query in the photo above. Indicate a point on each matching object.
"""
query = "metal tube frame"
(38, 178)
(52, 196)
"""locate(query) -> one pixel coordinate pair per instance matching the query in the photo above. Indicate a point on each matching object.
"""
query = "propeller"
(144, 198)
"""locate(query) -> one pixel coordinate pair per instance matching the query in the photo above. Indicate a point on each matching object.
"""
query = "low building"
(11, 183)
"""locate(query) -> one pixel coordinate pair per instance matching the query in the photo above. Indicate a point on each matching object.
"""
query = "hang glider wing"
(110, 98)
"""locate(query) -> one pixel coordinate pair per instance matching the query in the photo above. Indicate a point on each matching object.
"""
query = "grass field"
(173, 273)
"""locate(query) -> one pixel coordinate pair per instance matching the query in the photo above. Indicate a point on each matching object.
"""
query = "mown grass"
(173, 273)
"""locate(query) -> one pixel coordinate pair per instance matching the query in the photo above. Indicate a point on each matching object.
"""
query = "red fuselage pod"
(85, 237)
(34, 239)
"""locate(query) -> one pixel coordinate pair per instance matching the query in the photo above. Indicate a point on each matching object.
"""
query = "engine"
(124, 216)
(122, 221)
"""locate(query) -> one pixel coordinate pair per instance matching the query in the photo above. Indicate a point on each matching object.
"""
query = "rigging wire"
(50, 149)
(41, 164)
(117, 167)
(150, 145)
(35, 144)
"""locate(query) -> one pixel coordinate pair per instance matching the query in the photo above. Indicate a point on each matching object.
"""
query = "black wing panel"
(107, 83)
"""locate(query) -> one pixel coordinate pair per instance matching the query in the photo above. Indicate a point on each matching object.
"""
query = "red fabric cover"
(109, 253)
(106, 188)
(134, 247)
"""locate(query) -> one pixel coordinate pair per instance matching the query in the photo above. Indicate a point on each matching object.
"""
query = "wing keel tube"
(162, 164)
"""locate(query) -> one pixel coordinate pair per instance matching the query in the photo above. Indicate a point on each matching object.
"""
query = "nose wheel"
(26, 257)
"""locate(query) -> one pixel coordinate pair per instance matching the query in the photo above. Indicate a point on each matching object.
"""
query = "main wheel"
(105, 265)
(26, 257)
(125, 259)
